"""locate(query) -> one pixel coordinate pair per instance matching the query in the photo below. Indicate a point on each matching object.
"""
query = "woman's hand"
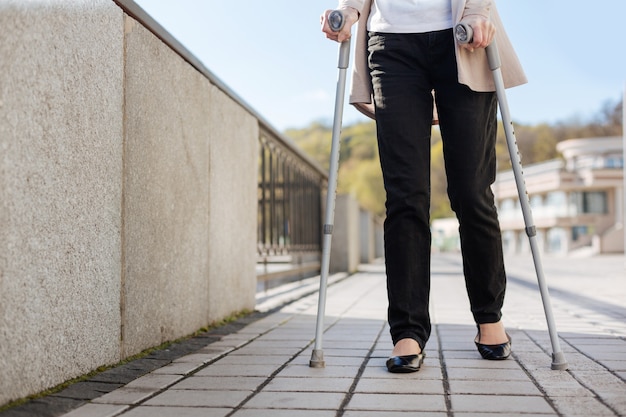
(350, 16)
(484, 32)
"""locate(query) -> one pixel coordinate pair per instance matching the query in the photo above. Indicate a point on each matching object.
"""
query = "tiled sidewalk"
(262, 369)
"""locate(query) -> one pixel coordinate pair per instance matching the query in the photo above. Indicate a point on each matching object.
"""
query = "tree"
(360, 175)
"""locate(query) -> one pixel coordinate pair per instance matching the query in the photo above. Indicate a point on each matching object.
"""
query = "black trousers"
(405, 69)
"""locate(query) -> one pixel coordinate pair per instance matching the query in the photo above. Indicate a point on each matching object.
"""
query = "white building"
(577, 202)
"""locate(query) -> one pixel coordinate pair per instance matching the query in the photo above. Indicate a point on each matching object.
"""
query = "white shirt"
(410, 16)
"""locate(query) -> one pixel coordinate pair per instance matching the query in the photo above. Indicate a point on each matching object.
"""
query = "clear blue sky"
(273, 55)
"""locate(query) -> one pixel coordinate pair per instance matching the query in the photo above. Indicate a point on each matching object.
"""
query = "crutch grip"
(336, 20)
(464, 34)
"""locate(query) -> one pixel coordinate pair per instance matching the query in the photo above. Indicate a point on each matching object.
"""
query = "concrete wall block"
(60, 191)
(166, 194)
(344, 255)
(233, 206)
(379, 238)
(366, 236)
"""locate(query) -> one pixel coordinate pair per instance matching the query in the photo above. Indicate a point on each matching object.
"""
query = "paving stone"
(508, 414)
(217, 370)
(125, 395)
(491, 375)
(332, 360)
(297, 344)
(399, 386)
(499, 388)
(296, 400)
(44, 407)
(329, 353)
(361, 413)
(147, 364)
(581, 406)
(87, 390)
(190, 398)
(209, 383)
(177, 412)
(330, 371)
(330, 384)
(461, 354)
(560, 384)
(178, 368)
(97, 410)
(119, 375)
(199, 358)
(249, 350)
(617, 401)
(615, 366)
(284, 413)
(481, 364)
(154, 381)
(601, 382)
(503, 404)
(397, 402)
(253, 360)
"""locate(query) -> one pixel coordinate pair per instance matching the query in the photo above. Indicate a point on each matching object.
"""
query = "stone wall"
(127, 193)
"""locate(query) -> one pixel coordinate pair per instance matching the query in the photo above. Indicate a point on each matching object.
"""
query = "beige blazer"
(473, 67)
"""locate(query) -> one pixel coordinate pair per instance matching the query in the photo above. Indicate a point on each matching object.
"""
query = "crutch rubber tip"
(317, 359)
(558, 362)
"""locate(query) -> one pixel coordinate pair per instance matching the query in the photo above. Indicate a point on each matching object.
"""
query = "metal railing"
(289, 211)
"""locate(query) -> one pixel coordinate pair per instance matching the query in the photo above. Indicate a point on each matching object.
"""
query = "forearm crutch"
(336, 22)
(463, 34)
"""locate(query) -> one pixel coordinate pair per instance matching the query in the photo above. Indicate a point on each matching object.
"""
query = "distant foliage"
(359, 169)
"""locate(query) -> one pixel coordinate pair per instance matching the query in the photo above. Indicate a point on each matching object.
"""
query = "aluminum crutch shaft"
(464, 34)
(336, 22)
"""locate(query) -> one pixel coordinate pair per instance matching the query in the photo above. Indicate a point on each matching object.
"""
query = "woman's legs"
(404, 107)
(405, 68)
(468, 127)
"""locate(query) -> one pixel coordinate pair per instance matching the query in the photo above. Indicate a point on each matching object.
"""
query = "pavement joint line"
(223, 355)
(346, 400)
(267, 380)
(283, 366)
(545, 394)
(444, 373)
(597, 396)
(293, 357)
(611, 371)
(530, 376)
(199, 368)
(593, 337)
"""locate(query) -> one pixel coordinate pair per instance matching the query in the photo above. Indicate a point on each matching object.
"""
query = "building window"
(591, 202)
(556, 204)
(578, 232)
(557, 240)
(614, 162)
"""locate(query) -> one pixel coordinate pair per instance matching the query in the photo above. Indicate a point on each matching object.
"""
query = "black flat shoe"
(494, 352)
(405, 364)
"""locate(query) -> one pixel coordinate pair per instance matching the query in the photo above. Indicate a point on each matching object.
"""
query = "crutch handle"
(464, 34)
(336, 20)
